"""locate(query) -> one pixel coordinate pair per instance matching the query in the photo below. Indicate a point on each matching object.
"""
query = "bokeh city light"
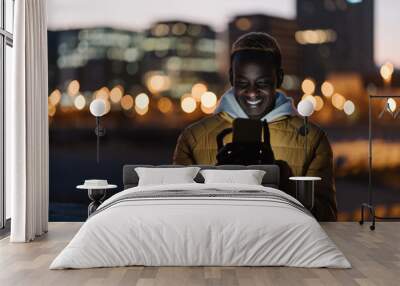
(308, 86)
(386, 71)
(164, 104)
(188, 104)
(327, 89)
(208, 99)
(55, 97)
(73, 88)
(141, 111)
(348, 107)
(319, 103)
(197, 90)
(80, 102)
(127, 102)
(116, 94)
(142, 101)
(338, 101)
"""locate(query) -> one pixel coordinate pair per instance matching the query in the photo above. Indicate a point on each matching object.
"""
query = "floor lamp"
(97, 109)
(305, 108)
(370, 205)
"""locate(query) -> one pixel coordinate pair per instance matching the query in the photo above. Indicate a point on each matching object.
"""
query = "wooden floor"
(375, 257)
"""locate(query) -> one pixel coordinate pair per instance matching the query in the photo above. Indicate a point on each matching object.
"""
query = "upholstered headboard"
(270, 179)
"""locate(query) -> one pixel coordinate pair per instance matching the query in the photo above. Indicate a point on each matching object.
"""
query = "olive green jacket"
(197, 145)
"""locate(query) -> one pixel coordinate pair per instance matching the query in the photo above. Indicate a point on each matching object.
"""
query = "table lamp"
(390, 107)
(97, 109)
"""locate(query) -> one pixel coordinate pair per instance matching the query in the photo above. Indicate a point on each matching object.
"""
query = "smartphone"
(247, 130)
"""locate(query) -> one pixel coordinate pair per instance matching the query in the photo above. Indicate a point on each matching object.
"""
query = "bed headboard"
(270, 179)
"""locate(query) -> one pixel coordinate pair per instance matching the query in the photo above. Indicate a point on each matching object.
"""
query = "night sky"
(129, 14)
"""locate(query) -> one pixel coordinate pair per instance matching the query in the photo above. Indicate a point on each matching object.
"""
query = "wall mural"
(156, 81)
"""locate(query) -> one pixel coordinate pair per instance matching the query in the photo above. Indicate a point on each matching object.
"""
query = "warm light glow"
(338, 101)
(186, 95)
(208, 110)
(160, 30)
(307, 37)
(391, 104)
(102, 93)
(73, 88)
(386, 71)
(108, 106)
(55, 97)
(349, 107)
(116, 93)
(141, 111)
(208, 99)
(319, 103)
(310, 98)
(305, 108)
(243, 24)
(127, 102)
(142, 100)
(290, 82)
(80, 102)
(179, 29)
(164, 104)
(188, 104)
(197, 90)
(51, 110)
(308, 86)
(98, 107)
(390, 67)
(158, 83)
(327, 89)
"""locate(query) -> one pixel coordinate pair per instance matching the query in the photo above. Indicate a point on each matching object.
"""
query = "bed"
(198, 224)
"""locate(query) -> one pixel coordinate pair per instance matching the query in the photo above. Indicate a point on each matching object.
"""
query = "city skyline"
(136, 79)
(77, 14)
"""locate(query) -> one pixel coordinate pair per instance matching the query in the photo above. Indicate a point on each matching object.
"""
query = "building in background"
(162, 71)
(92, 63)
(97, 57)
(178, 55)
(336, 36)
(159, 80)
(327, 55)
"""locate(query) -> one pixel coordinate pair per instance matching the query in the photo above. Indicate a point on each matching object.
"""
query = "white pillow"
(164, 176)
(248, 177)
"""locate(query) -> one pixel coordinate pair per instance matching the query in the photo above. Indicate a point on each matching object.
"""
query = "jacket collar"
(229, 105)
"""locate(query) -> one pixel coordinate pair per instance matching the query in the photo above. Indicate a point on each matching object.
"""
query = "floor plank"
(374, 255)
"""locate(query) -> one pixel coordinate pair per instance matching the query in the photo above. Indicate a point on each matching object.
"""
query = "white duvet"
(190, 231)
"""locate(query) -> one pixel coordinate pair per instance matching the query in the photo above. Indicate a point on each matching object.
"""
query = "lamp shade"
(97, 107)
(305, 108)
(348, 107)
(391, 104)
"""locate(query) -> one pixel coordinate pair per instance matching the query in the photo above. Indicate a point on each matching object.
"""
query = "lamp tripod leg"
(98, 139)
(305, 144)
(98, 147)
(372, 227)
(362, 215)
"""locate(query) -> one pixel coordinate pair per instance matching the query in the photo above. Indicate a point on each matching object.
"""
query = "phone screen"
(247, 130)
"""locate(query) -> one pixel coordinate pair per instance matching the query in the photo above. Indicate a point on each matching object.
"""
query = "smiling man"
(255, 76)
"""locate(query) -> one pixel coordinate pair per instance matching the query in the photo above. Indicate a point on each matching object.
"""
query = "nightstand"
(305, 190)
(96, 191)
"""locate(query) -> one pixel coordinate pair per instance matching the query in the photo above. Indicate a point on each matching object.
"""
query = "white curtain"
(27, 123)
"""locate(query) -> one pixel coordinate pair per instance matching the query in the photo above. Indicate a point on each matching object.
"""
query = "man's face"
(254, 82)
